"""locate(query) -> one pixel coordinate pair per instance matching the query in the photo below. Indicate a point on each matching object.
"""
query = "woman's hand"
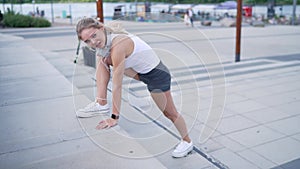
(108, 123)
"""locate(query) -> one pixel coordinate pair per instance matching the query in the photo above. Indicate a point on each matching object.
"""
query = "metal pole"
(33, 7)
(52, 13)
(3, 6)
(136, 8)
(294, 12)
(21, 9)
(238, 31)
(100, 10)
(11, 6)
(70, 11)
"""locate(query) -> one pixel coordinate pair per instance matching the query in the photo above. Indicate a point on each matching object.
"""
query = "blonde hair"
(86, 23)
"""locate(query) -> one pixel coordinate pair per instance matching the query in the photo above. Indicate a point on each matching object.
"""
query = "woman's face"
(93, 37)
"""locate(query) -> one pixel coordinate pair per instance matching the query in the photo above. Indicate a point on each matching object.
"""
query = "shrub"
(18, 20)
(40, 22)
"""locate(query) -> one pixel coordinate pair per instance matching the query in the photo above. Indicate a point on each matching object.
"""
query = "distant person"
(37, 11)
(226, 15)
(186, 18)
(42, 13)
(190, 13)
(199, 13)
(1, 16)
(130, 56)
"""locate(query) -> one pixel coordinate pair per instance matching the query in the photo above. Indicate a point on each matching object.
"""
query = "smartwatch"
(113, 116)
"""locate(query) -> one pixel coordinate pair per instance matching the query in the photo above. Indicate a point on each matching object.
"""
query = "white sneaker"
(92, 109)
(182, 149)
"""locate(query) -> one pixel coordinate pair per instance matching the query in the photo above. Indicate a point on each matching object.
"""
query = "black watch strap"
(113, 116)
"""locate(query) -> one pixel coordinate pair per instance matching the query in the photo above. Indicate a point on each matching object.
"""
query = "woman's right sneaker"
(93, 109)
(182, 149)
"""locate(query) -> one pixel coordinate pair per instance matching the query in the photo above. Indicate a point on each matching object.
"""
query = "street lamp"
(52, 12)
(294, 12)
(33, 7)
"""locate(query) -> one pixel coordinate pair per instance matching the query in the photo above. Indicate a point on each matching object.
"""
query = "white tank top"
(143, 58)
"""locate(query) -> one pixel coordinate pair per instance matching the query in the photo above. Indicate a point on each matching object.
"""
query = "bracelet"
(113, 116)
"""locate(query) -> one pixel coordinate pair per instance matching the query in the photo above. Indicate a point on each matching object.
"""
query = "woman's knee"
(172, 115)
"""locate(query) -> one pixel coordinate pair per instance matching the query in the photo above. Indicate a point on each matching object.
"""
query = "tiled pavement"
(258, 99)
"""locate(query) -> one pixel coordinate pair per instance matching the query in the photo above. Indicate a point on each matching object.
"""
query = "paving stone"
(267, 115)
(271, 150)
(296, 136)
(245, 106)
(288, 126)
(229, 143)
(256, 159)
(294, 164)
(291, 108)
(228, 158)
(255, 136)
(233, 124)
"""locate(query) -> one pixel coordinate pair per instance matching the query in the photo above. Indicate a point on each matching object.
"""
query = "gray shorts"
(158, 79)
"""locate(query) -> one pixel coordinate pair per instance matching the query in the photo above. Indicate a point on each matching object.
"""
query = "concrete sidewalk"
(252, 106)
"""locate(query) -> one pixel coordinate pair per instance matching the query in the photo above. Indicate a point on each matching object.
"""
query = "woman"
(128, 55)
(186, 18)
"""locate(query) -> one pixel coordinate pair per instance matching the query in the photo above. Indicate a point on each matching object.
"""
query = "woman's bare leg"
(165, 103)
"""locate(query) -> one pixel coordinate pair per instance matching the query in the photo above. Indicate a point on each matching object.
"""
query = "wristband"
(113, 116)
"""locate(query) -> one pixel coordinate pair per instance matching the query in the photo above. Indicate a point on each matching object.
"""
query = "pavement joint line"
(264, 77)
(209, 158)
(36, 100)
(63, 50)
(212, 39)
(244, 72)
(264, 125)
(198, 70)
(232, 73)
(72, 32)
(285, 64)
(39, 146)
(284, 134)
